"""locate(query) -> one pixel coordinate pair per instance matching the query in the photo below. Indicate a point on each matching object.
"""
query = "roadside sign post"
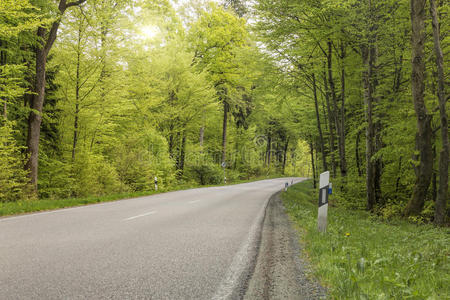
(324, 191)
(224, 164)
(156, 183)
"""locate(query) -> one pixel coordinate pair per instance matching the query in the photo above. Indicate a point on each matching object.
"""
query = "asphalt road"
(193, 244)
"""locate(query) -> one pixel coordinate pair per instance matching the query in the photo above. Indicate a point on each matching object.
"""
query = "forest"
(98, 97)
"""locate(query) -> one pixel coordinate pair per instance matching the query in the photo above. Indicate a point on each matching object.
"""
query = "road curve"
(193, 244)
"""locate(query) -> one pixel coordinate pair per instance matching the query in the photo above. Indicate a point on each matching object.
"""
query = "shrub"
(55, 178)
(94, 175)
(206, 173)
(13, 178)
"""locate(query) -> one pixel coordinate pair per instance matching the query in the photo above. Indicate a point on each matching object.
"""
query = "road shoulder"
(280, 271)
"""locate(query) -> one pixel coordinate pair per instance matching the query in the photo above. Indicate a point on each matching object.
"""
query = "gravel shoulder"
(280, 271)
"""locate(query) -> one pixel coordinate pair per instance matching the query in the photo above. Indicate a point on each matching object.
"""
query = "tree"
(424, 131)
(441, 202)
(47, 37)
(215, 38)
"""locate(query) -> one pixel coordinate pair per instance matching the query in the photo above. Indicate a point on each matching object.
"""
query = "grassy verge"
(362, 258)
(28, 206)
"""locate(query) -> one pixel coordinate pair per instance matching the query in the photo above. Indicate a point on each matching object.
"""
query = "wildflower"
(347, 234)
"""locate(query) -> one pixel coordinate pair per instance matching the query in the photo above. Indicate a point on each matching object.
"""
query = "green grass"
(360, 257)
(28, 206)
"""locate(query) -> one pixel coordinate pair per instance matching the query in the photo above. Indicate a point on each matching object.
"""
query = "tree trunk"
(37, 101)
(75, 130)
(201, 135)
(424, 133)
(369, 57)
(224, 130)
(399, 174)
(337, 123)
(3, 61)
(330, 125)
(286, 144)
(311, 150)
(77, 97)
(434, 177)
(368, 53)
(342, 125)
(269, 150)
(35, 117)
(319, 127)
(441, 202)
(182, 153)
(357, 158)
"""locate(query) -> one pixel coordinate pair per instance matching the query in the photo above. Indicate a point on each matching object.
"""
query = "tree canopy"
(101, 96)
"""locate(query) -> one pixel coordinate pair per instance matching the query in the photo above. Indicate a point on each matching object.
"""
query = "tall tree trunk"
(368, 53)
(77, 96)
(424, 131)
(399, 174)
(178, 151)
(269, 150)
(286, 144)
(37, 101)
(341, 140)
(224, 130)
(311, 151)
(35, 117)
(357, 158)
(441, 202)
(201, 135)
(434, 176)
(75, 130)
(369, 57)
(370, 134)
(342, 125)
(330, 125)
(319, 127)
(182, 153)
(3, 61)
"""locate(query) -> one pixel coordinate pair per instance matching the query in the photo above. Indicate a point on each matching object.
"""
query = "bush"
(138, 159)
(93, 175)
(55, 178)
(13, 178)
(206, 174)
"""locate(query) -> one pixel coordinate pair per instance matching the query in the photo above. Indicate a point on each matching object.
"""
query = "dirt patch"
(280, 272)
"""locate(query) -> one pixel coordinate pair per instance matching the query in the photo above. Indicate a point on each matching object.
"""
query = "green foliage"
(56, 180)
(360, 257)
(13, 178)
(94, 175)
(206, 174)
(138, 159)
(17, 16)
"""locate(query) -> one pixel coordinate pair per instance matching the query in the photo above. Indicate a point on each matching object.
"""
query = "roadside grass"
(361, 257)
(29, 206)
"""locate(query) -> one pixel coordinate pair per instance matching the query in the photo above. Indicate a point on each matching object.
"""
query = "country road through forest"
(192, 244)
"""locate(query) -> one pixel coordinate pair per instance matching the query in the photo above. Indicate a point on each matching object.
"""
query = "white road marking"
(138, 216)
(195, 201)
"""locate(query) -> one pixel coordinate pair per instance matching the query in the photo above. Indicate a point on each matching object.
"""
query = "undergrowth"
(361, 257)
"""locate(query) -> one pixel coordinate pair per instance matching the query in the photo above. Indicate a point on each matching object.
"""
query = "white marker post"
(323, 201)
(224, 164)
(156, 183)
